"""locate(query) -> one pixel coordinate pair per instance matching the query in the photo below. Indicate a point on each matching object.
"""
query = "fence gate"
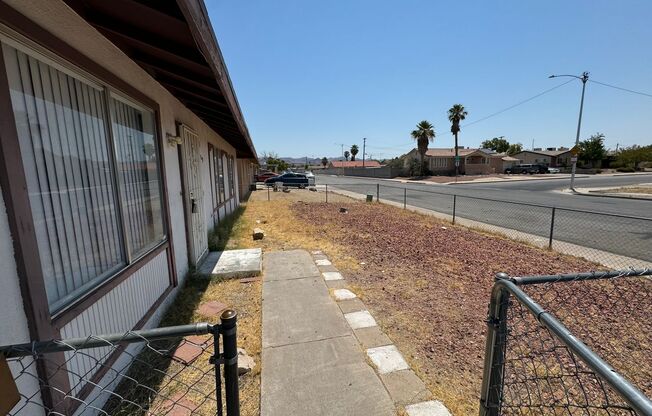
(193, 195)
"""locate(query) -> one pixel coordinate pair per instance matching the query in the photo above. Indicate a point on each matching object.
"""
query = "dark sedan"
(289, 179)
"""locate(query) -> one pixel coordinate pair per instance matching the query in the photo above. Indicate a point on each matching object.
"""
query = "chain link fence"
(612, 240)
(171, 370)
(576, 344)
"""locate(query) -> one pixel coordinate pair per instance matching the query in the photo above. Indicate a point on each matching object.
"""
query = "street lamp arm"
(584, 77)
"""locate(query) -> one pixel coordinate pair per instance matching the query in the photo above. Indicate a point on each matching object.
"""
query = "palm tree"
(346, 155)
(424, 134)
(456, 114)
(354, 151)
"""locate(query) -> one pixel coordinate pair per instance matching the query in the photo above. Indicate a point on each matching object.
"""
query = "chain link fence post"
(268, 196)
(454, 207)
(377, 192)
(229, 336)
(404, 198)
(494, 362)
(327, 193)
(552, 227)
(217, 362)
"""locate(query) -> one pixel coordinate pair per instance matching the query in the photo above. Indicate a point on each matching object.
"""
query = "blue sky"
(310, 74)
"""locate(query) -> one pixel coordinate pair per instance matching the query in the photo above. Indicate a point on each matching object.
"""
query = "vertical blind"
(133, 133)
(62, 125)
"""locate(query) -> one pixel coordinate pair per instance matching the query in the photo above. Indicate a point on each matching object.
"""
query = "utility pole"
(584, 77)
(364, 143)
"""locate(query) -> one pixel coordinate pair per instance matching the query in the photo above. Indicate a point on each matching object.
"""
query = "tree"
(354, 151)
(324, 161)
(346, 155)
(456, 114)
(424, 134)
(632, 156)
(498, 144)
(592, 149)
(275, 163)
(514, 149)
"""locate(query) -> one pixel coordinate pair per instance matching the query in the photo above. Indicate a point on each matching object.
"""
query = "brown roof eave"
(197, 19)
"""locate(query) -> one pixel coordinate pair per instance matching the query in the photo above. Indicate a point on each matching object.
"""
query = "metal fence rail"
(169, 370)
(617, 241)
(573, 344)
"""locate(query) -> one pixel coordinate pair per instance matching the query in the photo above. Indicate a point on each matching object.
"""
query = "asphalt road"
(527, 206)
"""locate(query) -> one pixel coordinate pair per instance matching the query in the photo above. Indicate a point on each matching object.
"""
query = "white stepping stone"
(323, 262)
(432, 408)
(387, 359)
(317, 252)
(332, 276)
(343, 294)
(360, 319)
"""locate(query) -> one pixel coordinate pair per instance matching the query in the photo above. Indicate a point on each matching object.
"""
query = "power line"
(621, 88)
(490, 115)
(517, 104)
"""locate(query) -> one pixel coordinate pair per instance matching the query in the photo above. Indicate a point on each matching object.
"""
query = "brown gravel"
(429, 284)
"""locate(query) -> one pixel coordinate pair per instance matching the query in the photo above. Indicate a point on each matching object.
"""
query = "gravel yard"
(429, 283)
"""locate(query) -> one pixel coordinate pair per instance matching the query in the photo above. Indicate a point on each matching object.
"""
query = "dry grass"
(631, 190)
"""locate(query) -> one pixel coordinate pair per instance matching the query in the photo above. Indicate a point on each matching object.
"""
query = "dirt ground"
(425, 281)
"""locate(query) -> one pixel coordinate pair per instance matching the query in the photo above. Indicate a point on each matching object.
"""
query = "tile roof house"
(553, 157)
(441, 161)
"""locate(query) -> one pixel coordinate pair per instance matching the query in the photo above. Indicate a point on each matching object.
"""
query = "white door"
(193, 195)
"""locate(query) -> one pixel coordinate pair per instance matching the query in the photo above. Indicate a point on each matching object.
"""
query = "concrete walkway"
(311, 362)
(323, 353)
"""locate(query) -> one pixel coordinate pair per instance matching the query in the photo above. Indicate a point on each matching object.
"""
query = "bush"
(626, 169)
(598, 171)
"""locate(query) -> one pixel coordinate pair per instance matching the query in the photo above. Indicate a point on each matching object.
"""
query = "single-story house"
(121, 145)
(441, 161)
(354, 164)
(552, 157)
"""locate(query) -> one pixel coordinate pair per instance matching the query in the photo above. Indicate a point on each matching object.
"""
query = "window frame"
(111, 87)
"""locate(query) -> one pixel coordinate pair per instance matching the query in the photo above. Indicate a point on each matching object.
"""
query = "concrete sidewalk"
(323, 352)
(311, 363)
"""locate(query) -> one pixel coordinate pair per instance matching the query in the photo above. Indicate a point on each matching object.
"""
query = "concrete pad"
(405, 387)
(299, 310)
(360, 319)
(431, 408)
(332, 276)
(352, 305)
(323, 262)
(371, 337)
(232, 263)
(326, 377)
(336, 284)
(387, 359)
(329, 268)
(286, 265)
(343, 294)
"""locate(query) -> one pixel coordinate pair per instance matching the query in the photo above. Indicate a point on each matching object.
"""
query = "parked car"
(263, 176)
(554, 170)
(527, 168)
(311, 178)
(289, 179)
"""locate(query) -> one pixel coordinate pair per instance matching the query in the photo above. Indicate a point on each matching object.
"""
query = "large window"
(93, 174)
